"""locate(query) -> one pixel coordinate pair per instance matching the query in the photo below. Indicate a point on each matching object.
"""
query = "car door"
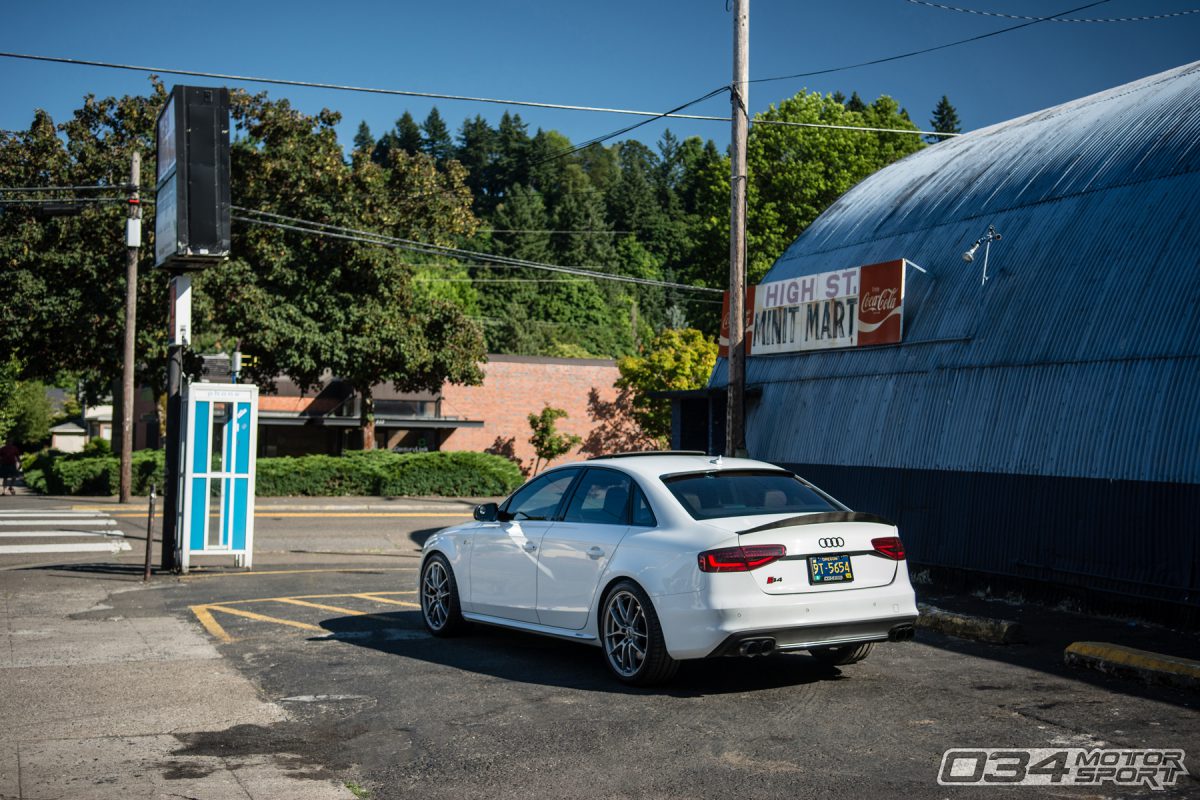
(576, 550)
(504, 558)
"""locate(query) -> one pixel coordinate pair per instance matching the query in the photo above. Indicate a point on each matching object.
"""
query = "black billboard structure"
(191, 228)
(191, 232)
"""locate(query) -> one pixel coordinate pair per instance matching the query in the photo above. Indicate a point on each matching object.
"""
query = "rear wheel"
(841, 656)
(439, 597)
(634, 648)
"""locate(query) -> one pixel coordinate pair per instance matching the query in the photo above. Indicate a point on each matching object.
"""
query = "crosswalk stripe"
(59, 521)
(45, 534)
(65, 512)
(112, 546)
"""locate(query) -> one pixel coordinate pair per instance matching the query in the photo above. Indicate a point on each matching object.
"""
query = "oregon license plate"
(829, 569)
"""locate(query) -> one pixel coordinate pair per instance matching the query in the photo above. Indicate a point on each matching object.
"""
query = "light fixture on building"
(985, 240)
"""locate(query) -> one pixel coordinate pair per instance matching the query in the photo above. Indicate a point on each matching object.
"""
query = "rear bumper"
(708, 623)
(808, 636)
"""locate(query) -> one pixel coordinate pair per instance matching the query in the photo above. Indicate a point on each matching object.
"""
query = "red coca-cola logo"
(880, 300)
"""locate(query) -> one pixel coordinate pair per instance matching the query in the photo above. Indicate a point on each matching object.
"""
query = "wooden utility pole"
(133, 245)
(735, 412)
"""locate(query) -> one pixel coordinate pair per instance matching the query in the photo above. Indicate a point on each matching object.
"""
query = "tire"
(841, 656)
(631, 636)
(440, 609)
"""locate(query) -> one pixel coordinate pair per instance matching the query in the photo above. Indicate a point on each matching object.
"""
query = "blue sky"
(647, 55)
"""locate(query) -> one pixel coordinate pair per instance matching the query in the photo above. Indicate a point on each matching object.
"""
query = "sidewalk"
(96, 705)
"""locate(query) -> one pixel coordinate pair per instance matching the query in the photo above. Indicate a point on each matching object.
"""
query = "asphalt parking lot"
(335, 640)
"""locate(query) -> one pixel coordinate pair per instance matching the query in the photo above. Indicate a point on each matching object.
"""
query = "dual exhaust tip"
(757, 647)
(764, 647)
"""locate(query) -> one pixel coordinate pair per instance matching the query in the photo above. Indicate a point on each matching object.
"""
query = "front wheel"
(634, 648)
(841, 656)
(439, 597)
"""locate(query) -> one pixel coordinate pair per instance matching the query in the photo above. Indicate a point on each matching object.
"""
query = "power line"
(369, 237)
(628, 128)
(345, 87)
(1147, 18)
(912, 53)
(518, 230)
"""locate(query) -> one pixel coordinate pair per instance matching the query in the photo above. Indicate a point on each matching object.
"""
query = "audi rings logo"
(835, 541)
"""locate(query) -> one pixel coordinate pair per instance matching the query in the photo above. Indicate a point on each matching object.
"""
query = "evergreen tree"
(839, 98)
(477, 152)
(364, 142)
(512, 153)
(408, 134)
(945, 120)
(855, 103)
(435, 138)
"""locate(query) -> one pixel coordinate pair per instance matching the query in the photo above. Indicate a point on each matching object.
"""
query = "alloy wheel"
(435, 595)
(625, 633)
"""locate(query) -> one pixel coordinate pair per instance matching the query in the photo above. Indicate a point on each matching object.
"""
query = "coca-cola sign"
(853, 307)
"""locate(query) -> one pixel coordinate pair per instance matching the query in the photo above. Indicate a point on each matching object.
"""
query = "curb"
(1129, 662)
(965, 626)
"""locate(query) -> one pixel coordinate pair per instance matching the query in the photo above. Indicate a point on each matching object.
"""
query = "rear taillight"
(889, 547)
(740, 559)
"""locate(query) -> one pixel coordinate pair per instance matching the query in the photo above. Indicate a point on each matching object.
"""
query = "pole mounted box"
(192, 200)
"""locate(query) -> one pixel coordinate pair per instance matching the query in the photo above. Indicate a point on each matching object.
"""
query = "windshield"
(744, 493)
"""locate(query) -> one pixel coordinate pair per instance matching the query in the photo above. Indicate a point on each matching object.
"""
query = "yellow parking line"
(386, 600)
(237, 612)
(335, 609)
(211, 625)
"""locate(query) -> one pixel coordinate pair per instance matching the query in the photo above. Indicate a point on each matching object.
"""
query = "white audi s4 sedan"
(658, 558)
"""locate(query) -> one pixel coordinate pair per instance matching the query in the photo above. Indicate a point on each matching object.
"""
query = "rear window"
(744, 493)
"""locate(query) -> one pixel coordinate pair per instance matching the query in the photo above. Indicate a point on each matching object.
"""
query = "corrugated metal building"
(1044, 426)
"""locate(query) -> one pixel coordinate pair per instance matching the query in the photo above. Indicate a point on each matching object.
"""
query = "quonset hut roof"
(1077, 359)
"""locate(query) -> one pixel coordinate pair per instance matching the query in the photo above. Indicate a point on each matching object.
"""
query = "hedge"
(379, 472)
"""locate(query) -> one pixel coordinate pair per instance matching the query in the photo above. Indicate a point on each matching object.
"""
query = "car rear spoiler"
(818, 519)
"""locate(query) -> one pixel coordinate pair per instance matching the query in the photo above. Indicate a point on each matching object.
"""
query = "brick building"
(490, 417)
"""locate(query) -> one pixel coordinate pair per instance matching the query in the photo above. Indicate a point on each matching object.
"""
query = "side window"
(601, 497)
(642, 515)
(539, 498)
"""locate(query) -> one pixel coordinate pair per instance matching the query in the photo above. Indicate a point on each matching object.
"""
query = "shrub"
(380, 472)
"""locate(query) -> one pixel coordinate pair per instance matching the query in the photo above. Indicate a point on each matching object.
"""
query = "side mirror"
(487, 512)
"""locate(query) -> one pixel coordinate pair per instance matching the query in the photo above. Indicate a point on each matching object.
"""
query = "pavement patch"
(1129, 662)
(967, 626)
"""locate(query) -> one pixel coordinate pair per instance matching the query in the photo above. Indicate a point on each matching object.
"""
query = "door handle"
(594, 552)
(529, 547)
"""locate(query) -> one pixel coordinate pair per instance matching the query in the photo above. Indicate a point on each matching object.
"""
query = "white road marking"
(66, 512)
(59, 521)
(44, 534)
(113, 546)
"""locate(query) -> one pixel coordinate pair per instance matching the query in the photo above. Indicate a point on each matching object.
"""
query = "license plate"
(829, 569)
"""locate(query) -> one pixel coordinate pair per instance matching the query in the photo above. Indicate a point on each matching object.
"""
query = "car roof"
(654, 465)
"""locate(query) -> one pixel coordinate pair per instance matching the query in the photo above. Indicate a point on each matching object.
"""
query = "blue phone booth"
(216, 512)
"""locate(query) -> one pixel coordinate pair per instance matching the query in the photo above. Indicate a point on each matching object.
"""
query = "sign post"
(192, 232)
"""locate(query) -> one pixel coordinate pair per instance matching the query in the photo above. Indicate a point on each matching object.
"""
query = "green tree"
(675, 360)
(31, 413)
(796, 173)
(364, 142)
(945, 120)
(435, 138)
(476, 151)
(548, 443)
(303, 304)
(9, 372)
(63, 277)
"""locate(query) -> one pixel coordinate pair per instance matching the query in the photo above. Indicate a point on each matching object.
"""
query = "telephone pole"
(735, 412)
(133, 244)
